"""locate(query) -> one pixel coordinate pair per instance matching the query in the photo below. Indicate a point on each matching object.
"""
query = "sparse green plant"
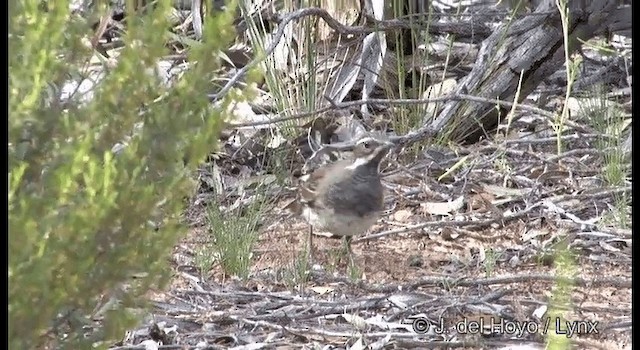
(335, 256)
(408, 117)
(204, 258)
(512, 111)
(572, 68)
(333, 261)
(490, 260)
(354, 271)
(296, 89)
(565, 272)
(298, 273)
(235, 235)
(563, 259)
(609, 120)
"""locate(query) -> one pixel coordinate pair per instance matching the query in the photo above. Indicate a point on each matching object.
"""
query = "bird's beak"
(389, 145)
(384, 149)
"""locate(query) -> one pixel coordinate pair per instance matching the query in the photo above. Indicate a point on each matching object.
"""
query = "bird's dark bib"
(353, 197)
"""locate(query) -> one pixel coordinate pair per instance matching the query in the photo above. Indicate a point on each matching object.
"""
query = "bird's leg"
(347, 241)
(310, 246)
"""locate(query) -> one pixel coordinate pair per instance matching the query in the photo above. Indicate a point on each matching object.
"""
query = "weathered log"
(532, 46)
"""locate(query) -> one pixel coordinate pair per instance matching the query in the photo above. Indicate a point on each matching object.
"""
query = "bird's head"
(369, 151)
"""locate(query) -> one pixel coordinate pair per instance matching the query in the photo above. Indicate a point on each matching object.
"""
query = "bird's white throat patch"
(359, 162)
(364, 160)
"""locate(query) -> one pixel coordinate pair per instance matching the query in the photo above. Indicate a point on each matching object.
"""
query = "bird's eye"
(367, 144)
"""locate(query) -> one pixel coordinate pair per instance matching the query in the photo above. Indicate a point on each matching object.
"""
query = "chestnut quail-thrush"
(344, 198)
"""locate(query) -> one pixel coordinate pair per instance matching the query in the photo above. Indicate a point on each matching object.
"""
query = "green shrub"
(83, 220)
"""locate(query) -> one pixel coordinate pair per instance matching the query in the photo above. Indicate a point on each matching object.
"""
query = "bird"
(344, 198)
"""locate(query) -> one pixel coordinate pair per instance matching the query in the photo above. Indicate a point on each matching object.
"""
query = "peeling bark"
(533, 46)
